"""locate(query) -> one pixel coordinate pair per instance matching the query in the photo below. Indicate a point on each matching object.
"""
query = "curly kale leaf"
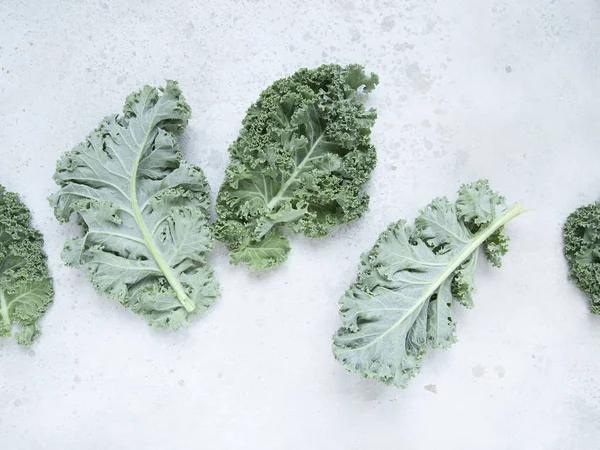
(582, 250)
(144, 210)
(401, 302)
(301, 161)
(25, 285)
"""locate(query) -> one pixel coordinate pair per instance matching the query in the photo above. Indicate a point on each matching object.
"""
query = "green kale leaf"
(401, 302)
(25, 285)
(582, 250)
(301, 162)
(144, 210)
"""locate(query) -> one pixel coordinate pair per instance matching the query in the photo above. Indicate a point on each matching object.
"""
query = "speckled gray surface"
(479, 88)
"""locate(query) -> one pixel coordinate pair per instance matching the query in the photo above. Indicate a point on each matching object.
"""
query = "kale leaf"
(582, 250)
(144, 210)
(401, 302)
(25, 285)
(301, 161)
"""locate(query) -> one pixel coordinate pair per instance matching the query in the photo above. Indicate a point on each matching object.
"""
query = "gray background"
(507, 90)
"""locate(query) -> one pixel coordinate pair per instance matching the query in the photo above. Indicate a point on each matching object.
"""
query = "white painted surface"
(469, 89)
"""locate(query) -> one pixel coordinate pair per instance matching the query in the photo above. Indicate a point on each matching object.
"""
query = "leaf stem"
(158, 258)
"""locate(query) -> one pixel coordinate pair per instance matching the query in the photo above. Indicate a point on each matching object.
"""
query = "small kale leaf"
(143, 208)
(25, 285)
(301, 162)
(401, 302)
(581, 235)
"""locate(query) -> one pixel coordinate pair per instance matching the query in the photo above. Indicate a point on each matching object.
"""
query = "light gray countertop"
(507, 91)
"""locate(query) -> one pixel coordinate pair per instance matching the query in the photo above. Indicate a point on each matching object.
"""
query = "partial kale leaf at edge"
(25, 284)
(401, 302)
(144, 210)
(300, 162)
(581, 234)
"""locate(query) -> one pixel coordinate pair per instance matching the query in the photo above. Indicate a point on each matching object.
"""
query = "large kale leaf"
(144, 210)
(301, 161)
(401, 303)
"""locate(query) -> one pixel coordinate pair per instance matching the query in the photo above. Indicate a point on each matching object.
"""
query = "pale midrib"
(456, 262)
(275, 200)
(158, 258)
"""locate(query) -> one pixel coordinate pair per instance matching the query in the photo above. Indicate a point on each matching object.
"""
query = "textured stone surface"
(504, 90)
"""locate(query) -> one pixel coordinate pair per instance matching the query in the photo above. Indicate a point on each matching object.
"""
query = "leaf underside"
(401, 303)
(25, 285)
(300, 162)
(144, 210)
